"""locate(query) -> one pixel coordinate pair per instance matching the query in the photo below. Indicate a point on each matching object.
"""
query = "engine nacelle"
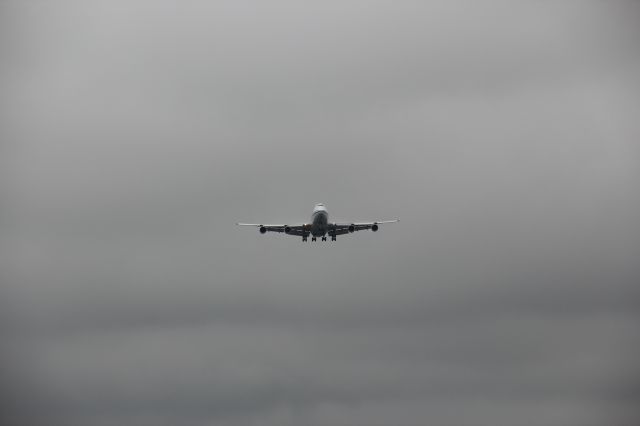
(287, 229)
(263, 230)
(352, 228)
(374, 227)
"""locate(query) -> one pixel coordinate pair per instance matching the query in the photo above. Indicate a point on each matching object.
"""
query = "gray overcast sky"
(504, 135)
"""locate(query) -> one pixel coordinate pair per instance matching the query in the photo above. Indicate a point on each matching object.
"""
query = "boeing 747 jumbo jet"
(319, 226)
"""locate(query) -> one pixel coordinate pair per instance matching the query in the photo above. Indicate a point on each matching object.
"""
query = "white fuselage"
(319, 220)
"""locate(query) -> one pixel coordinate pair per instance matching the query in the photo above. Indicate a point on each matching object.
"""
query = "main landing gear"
(324, 238)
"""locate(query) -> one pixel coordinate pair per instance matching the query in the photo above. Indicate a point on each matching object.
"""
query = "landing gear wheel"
(333, 238)
(304, 239)
(324, 238)
(313, 238)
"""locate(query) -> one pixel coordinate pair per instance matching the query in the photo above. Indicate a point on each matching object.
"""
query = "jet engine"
(287, 229)
(352, 228)
(263, 230)
(374, 227)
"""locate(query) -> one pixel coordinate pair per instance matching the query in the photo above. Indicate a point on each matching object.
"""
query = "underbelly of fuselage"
(319, 224)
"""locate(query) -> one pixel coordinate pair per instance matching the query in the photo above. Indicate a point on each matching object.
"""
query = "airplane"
(319, 226)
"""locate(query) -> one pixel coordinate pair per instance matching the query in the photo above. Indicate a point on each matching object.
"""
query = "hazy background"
(505, 136)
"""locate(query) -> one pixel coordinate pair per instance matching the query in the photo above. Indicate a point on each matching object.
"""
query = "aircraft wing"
(345, 228)
(297, 230)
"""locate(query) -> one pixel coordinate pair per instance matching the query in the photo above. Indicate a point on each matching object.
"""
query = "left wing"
(345, 228)
(297, 230)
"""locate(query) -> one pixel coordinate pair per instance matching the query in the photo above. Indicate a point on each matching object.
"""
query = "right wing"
(347, 228)
(297, 230)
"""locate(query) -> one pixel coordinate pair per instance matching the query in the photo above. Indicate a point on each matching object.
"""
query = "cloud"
(136, 135)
